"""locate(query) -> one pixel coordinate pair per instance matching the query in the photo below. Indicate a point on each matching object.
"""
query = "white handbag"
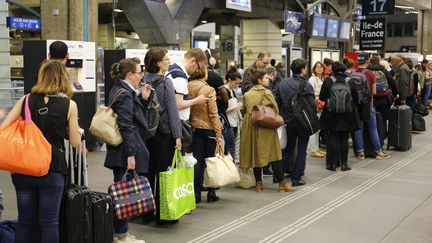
(221, 170)
(104, 124)
(247, 178)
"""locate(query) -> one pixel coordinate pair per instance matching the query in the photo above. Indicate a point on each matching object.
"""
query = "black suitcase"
(102, 217)
(76, 209)
(400, 128)
(369, 149)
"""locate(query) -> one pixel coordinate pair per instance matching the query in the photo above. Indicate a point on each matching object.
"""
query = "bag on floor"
(7, 231)
(132, 198)
(418, 123)
(221, 170)
(247, 178)
(177, 194)
(23, 147)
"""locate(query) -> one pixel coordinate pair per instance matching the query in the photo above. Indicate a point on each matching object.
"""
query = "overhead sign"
(243, 5)
(372, 34)
(293, 22)
(378, 7)
(23, 23)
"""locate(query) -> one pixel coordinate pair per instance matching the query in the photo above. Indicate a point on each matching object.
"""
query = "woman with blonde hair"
(53, 111)
(260, 146)
(208, 128)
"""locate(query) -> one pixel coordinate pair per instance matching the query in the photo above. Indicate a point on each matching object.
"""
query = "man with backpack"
(385, 90)
(365, 83)
(287, 92)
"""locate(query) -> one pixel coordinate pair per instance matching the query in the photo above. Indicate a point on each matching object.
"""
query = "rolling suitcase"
(102, 217)
(76, 209)
(369, 149)
(400, 128)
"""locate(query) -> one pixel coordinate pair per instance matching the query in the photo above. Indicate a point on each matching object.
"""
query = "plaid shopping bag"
(132, 198)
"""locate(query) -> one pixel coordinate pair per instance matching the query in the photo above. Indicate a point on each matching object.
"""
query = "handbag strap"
(135, 175)
(178, 156)
(219, 150)
(116, 96)
(27, 113)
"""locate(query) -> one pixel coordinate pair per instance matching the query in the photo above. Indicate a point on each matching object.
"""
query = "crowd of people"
(192, 91)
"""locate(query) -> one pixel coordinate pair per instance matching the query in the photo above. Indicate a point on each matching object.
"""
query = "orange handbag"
(265, 116)
(23, 147)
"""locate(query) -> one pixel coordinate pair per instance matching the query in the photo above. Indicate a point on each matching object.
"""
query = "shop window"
(409, 29)
(389, 30)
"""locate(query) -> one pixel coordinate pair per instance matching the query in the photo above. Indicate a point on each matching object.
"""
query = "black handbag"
(187, 133)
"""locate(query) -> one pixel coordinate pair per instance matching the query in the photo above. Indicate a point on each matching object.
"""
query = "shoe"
(331, 167)
(211, 196)
(345, 167)
(298, 183)
(259, 187)
(317, 154)
(128, 239)
(361, 156)
(197, 198)
(382, 155)
(284, 187)
(166, 222)
(322, 152)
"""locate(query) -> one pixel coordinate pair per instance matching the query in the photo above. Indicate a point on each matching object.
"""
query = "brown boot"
(259, 187)
(284, 187)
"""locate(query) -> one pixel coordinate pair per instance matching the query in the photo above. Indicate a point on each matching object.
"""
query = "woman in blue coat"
(129, 103)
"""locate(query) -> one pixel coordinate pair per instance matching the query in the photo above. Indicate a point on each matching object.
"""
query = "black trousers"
(161, 148)
(277, 172)
(337, 148)
(203, 146)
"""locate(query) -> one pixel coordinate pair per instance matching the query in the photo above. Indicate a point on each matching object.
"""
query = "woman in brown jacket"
(260, 146)
(208, 129)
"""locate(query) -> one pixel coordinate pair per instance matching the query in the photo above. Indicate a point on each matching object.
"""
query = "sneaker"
(317, 154)
(382, 155)
(361, 156)
(128, 239)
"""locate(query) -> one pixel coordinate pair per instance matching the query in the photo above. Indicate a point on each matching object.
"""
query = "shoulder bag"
(104, 124)
(23, 147)
(265, 116)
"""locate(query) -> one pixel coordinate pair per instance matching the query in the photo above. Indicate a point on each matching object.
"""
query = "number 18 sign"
(378, 7)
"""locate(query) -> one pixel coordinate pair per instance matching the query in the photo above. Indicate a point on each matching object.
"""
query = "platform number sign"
(228, 46)
(378, 7)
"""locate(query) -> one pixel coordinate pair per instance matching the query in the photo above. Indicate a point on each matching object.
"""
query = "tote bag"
(177, 195)
(23, 147)
(131, 198)
(104, 124)
(221, 170)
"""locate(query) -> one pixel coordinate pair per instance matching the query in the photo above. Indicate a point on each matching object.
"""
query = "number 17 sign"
(378, 7)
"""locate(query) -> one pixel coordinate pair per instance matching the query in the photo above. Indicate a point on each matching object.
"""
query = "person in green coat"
(260, 146)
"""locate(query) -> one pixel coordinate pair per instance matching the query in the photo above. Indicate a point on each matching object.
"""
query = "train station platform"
(377, 201)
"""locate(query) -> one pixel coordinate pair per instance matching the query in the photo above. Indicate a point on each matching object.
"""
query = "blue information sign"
(23, 23)
(293, 22)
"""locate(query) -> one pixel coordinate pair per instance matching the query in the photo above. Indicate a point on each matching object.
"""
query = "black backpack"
(305, 117)
(340, 99)
(153, 111)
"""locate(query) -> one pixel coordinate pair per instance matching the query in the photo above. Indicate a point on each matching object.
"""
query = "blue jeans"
(294, 139)
(427, 92)
(372, 127)
(41, 195)
(121, 227)
(229, 136)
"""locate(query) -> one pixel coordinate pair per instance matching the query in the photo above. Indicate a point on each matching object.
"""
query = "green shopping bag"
(177, 195)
